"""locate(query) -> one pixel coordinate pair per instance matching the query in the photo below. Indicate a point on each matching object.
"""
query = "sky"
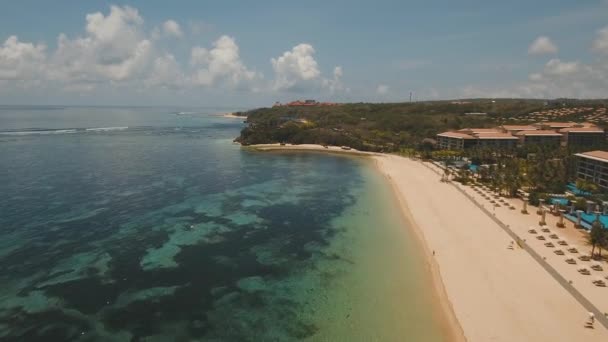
(253, 53)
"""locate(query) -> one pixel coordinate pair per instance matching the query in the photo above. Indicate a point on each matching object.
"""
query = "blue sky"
(222, 52)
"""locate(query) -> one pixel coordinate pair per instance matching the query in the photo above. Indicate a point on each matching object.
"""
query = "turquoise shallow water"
(157, 228)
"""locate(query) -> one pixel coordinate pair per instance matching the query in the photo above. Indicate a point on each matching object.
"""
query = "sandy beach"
(308, 147)
(488, 291)
(232, 116)
(497, 293)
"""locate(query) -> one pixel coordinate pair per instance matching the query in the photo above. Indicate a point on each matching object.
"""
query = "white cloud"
(600, 44)
(558, 68)
(382, 89)
(541, 46)
(338, 72)
(21, 61)
(172, 28)
(335, 85)
(556, 79)
(221, 64)
(166, 73)
(296, 68)
(114, 49)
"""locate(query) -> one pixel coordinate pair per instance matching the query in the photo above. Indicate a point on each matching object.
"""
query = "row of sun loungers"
(572, 261)
(494, 199)
(599, 282)
(572, 249)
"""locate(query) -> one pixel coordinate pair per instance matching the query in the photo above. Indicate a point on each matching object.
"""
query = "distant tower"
(410, 96)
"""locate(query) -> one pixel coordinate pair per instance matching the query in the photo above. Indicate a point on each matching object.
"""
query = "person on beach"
(591, 320)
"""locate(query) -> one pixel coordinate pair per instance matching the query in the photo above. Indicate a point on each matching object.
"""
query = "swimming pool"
(573, 189)
(560, 201)
(588, 219)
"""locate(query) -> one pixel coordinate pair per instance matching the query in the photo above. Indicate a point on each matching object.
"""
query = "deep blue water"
(161, 228)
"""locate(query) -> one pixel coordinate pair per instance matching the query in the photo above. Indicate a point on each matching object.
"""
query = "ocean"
(149, 224)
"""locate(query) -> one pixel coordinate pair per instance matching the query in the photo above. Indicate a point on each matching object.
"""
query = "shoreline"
(484, 289)
(308, 148)
(452, 329)
(443, 308)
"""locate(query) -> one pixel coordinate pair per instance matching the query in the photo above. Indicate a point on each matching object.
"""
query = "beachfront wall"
(593, 167)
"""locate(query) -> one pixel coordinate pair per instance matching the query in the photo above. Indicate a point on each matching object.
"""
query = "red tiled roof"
(479, 130)
(519, 127)
(597, 155)
(495, 136)
(556, 124)
(455, 135)
(538, 132)
(582, 130)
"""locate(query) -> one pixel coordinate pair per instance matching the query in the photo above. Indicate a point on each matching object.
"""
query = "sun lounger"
(540, 237)
(549, 244)
(584, 271)
(532, 231)
(599, 282)
(554, 236)
(571, 261)
(597, 267)
(558, 252)
(572, 250)
(546, 230)
(562, 243)
(584, 258)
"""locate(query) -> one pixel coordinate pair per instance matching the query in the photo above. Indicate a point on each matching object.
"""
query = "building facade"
(593, 167)
(454, 141)
(583, 136)
(538, 137)
(496, 140)
(461, 141)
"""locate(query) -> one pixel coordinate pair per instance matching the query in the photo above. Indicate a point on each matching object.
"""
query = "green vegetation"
(377, 127)
(597, 238)
(388, 127)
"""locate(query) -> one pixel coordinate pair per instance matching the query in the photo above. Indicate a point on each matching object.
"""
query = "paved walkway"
(599, 316)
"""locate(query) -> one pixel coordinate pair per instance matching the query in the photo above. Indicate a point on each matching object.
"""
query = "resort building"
(477, 138)
(593, 167)
(509, 136)
(539, 137)
(583, 136)
(454, 141)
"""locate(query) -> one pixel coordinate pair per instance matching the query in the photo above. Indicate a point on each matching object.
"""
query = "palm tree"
(603, 241)
(586, 185)
(596, 237)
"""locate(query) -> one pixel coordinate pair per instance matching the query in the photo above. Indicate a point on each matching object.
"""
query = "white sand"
(232, 116)
(495, 293)
(309, 147)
